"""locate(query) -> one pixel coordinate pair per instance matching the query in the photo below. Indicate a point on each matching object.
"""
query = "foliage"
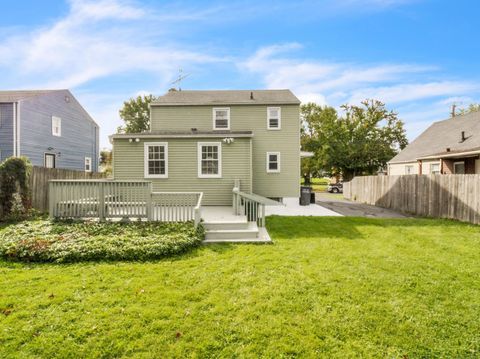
(106, 161)
(68, 241)
(136, 114)
(331, 287)
(360, 141)
(317, 184)
(473, 107)
(14, 179)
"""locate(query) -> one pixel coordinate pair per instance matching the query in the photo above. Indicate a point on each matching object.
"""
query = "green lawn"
(328, 287)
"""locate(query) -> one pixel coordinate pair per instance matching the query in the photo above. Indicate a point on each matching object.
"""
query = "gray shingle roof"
(442, 135)
(227, 97)
(13, 96)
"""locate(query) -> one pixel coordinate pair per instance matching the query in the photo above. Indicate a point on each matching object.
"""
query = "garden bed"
(42, 240)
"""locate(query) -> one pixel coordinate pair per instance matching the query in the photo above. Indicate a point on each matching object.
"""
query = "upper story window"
(274, 118)
(273, 162)
(88, 164)
(156, 160)
(221, 118)
(56, 126)
(209, 159)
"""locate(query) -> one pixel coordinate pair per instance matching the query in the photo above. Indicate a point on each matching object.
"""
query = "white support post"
(101, 201)
(148, 194)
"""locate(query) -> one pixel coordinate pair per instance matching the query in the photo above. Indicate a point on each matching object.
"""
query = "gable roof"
(14, 96)
(443, 135)
(227, 97)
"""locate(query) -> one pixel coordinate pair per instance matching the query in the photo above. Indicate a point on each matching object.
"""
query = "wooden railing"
(176, 206)
(251, 205)
(104, 199)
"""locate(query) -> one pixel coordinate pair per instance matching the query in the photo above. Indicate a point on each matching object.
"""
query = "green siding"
(128, 163)
(253, 118)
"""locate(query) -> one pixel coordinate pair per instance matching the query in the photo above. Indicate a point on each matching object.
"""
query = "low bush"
(42, 240)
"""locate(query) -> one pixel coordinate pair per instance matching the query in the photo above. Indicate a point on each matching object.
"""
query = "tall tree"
(106, 161)
(360, 141)
(136, 114)
(473, 107)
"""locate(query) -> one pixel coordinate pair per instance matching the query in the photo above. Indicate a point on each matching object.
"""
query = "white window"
(210, 159)
(156, 159)
(221, 118)
(459, 168)
(56, 126)
(409, 170)
(49, 160)
(274, 118)
(273, 162)
(435, 168)
(88, 164)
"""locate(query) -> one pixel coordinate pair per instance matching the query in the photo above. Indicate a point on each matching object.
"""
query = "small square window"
(273, 162)
(435, 168)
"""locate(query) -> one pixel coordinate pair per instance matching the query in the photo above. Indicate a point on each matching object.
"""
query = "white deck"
(221, 214)
(293, 208)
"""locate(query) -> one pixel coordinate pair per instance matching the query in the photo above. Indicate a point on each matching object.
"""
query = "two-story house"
(50, 127)
(205, 140)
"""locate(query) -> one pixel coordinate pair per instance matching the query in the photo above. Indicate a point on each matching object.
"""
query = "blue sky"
(418, 56)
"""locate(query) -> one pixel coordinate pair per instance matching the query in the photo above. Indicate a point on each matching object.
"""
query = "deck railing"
(252, 206)
(104, 199)
(176, 206)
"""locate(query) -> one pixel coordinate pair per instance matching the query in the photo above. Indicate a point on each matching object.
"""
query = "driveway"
(340, 205)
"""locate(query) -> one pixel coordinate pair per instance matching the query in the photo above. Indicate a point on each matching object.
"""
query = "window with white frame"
(88, 164)
(435, 168)
(273, 162)
(156, 159)
(209, 159)
(56, 126)
(409, 169)
(221, 118)
(274, 118)
(459, 168)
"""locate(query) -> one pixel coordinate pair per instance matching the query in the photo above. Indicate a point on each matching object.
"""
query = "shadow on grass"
(284, 227)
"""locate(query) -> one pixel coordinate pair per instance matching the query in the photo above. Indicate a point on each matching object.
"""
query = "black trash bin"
(305, 194)
(312, 197)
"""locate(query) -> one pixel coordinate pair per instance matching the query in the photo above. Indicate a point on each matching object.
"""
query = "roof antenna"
(454, 107)
(180, 78)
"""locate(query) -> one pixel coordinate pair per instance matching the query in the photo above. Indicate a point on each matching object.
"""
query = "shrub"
(14, 180)
(69, 241)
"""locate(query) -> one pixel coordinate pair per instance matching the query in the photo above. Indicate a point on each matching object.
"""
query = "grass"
(318, 184)
(328, 287)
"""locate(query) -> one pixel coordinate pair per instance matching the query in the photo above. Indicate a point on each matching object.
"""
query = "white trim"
(45, 159)
(56, 118)
(199, 159)
(279, 109)
(19, 152)
(14, 110)
(214, 117)
(89, 160)
(145, 159)
(435, 164)
(268, 162)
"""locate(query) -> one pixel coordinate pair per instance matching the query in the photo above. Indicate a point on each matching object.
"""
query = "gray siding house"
(50, 127)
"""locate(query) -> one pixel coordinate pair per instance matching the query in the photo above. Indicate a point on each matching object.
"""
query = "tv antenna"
(180, 78)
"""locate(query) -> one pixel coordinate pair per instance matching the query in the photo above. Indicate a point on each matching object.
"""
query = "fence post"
(101, 201)
(51, 200)
(148, 201)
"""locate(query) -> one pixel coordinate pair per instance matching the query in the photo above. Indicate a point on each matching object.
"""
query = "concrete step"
(221, 225)
(240, 231)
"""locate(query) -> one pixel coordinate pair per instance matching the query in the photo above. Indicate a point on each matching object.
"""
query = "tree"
(106, 161)
(360, 141)
(136, 114)
(473, 107)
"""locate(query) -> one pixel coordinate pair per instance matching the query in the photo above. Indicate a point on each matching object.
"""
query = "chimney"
(251, 95)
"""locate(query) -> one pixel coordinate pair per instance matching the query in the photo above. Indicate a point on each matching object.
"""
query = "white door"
(49, 160)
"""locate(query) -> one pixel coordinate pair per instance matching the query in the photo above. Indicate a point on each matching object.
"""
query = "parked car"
(335, 187)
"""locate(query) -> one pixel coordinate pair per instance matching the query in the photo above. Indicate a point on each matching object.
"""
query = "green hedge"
(68, 241)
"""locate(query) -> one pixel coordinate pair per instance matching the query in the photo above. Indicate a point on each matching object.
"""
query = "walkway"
(293, 208)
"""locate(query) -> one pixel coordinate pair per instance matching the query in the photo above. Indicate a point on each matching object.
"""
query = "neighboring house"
(49, 127)
(446, 147)
(205, 140)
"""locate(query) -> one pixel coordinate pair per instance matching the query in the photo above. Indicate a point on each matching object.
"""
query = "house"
(447, 147)
(50, 127)
(206, 140)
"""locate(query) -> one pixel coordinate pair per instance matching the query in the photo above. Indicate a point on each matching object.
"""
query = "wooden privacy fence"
(39, 182)
(439, 196)
(107, 199)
